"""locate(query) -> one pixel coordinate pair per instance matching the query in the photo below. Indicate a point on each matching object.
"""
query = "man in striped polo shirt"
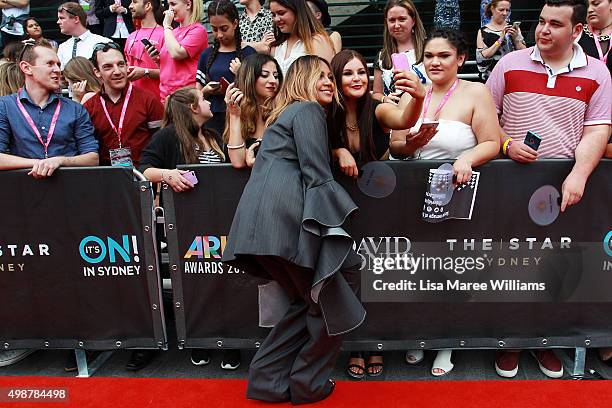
(555, 90)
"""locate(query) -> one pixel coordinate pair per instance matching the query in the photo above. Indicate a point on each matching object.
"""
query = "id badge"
(121, 157)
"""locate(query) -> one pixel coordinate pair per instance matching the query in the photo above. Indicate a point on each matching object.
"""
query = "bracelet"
(240, 146)
(162, 174)
(507, 145)
(167, 27)
(498, 43)
(382, 100)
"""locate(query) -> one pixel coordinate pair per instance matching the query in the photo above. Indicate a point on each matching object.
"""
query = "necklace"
(602, 30)
(353, 127)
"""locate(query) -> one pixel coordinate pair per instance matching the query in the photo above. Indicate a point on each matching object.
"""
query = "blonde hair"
(178, 113)
(306, 26)
(300, 85)
(81, 69)
(418, 34)
(197, 11)
(11, 78)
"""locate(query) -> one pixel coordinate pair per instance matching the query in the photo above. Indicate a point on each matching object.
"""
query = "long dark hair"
(224, 8)
(365, 111)
(246, 80)
(178, 113)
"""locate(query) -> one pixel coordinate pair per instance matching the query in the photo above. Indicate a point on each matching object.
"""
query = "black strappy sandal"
(350, 367)
(375, 365)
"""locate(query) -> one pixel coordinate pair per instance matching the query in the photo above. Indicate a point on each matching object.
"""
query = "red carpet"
(170, 393)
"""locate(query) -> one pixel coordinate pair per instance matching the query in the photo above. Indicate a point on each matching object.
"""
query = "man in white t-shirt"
(71, 19)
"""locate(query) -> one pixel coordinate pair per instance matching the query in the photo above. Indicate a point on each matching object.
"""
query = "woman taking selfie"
(307, 254)
(465, 128)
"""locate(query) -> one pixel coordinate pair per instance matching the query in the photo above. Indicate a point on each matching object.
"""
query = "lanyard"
(28, 119)
(442, 102)
(603, 58)
(122, 117)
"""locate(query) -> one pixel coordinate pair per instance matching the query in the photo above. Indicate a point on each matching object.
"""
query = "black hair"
(454, 37)
(228, 9)
(104, 47)
(579, 7)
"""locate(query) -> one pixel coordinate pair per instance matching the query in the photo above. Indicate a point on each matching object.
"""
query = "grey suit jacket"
(293, 208)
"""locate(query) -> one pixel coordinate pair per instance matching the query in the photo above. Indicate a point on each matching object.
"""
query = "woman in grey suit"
(287, 228)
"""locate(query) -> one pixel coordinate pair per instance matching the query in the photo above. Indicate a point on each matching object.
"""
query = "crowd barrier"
(79, 269)
(78, 261)
(217, 306)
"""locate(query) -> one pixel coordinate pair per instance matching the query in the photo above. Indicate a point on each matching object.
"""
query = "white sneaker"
(10, 357)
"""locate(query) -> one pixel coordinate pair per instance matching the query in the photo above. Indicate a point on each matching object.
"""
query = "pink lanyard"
(442, 103)
(28, 119)
(122, 117)
(603, 58)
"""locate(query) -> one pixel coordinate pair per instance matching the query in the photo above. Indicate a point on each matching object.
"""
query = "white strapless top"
(452, 139)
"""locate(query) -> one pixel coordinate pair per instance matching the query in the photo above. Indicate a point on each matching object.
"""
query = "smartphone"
(191, 177)
(214, 84)
(532, 140)
(146, 42)
(516, 25)
(433, 124)
(400, 62)
(224, 84)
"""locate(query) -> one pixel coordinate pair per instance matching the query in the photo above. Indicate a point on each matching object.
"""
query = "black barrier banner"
(78, 265)
(518, 272)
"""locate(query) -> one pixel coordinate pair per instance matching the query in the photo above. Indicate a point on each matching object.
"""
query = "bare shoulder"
(475, 89)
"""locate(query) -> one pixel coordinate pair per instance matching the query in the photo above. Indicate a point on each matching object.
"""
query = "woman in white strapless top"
(468, 131)
(467, 118)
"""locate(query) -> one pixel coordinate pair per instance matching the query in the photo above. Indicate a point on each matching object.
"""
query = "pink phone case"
(191, 177)
(400, 62)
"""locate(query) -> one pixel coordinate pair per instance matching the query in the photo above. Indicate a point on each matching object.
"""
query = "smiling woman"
(308, 253)
(297, 32)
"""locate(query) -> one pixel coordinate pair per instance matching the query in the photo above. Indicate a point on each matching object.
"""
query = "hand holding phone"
(224, 83)
(191, 177)
(429, 125)
(532, 140)
(146, 42)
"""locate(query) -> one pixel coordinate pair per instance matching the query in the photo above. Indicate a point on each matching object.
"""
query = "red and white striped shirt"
(556, 105)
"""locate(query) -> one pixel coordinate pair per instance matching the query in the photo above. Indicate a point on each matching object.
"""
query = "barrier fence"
(78, 264)
(216, 305)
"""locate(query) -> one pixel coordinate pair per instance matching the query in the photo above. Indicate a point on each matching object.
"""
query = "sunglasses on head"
(72, 13)
(26, 43)
(103, 47)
